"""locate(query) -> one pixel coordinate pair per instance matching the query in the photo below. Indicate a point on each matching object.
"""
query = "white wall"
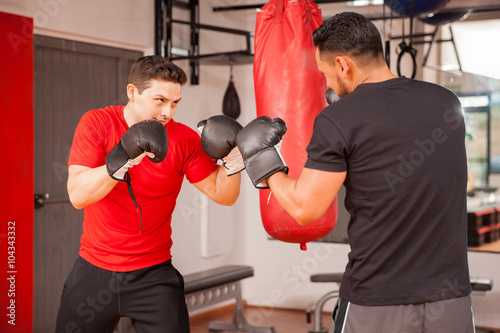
(281, 270)
(125, 24)
(477, 37)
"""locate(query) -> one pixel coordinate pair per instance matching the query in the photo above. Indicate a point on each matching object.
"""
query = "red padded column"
(16, 173)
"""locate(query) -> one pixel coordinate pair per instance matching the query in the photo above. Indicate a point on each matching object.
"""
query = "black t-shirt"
(402, 143)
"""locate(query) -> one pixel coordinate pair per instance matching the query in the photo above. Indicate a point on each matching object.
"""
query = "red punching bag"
(288, 85)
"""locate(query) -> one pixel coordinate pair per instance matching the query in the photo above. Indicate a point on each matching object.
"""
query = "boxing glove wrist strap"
(233, 162)
(138, 207)
(117, 165)
(263, 165)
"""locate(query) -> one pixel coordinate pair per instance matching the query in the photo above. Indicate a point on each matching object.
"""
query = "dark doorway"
(70, 79)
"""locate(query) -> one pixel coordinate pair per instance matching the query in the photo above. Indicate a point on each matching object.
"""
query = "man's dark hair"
(153, 67)
(351, 34)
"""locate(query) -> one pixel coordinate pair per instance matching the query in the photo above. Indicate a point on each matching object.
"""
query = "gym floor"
(283, 320)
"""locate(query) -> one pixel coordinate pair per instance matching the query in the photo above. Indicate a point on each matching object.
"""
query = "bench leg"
(239, 323)
(318, 311)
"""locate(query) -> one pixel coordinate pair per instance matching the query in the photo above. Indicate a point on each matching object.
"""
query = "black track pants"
(94, 299)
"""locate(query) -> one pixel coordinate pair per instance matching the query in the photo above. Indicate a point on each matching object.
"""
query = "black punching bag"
(231, 102)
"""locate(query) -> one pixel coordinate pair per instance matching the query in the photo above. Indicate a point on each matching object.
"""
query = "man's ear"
(342, 65)
(131, 90)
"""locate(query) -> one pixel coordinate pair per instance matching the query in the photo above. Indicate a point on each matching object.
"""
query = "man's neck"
(128, 115)
(378, 75)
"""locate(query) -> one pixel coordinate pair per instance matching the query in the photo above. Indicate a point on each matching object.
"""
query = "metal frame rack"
(163, 38)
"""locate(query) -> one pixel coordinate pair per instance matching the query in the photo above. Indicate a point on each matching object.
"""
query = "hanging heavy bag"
(231, 102)
(289, 86)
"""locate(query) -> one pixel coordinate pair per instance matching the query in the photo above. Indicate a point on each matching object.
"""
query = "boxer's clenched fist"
(145, 137)
(218, 140)
(259, 143)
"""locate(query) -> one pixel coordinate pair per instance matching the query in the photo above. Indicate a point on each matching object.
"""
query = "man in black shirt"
(398, 146)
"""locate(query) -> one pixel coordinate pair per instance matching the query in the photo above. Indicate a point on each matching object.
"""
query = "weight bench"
(481, 284)
(477, 284)
(216, 285)
(318, 305)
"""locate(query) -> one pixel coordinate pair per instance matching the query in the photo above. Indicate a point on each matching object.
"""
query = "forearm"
(220, 187)
(307, 198)
(284, 189)
(227, 188)
(88, 185)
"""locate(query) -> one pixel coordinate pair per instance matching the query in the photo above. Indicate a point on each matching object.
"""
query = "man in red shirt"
(124, 266)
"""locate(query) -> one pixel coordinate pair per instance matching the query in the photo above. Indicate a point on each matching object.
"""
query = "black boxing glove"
(259, 143)
(218, 140)
(148, 136)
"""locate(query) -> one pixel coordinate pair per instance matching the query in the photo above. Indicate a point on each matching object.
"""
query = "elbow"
(75, 201)
(303, 220)
(301, 217)
(304, 217)
(226, 202)
(230, 201)
(74, 198)
(77, 205)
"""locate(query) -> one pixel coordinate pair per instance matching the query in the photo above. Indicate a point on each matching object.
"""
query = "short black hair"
(351, 34)
(154, 67)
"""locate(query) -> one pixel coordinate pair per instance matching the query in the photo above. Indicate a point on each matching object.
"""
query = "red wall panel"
(16, 173)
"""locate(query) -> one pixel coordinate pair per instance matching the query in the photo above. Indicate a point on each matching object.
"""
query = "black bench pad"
(327, 277)
(215, 277)
(477, 284)
(481, 284)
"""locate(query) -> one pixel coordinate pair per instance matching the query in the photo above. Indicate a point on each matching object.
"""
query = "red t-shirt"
(111, 238)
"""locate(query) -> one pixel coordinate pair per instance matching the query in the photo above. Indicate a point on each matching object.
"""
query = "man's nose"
(167, 111)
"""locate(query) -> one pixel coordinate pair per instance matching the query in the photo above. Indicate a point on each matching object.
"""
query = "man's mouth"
(163, 121)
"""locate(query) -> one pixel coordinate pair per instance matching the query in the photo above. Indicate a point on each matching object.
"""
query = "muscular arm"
(220, 188)
(88, 185)
(306, 199)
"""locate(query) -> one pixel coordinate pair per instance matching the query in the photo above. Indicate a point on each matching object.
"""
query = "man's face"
(158, 102)
(331, 74)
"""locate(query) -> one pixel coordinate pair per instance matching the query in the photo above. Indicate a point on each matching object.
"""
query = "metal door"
(70, 79)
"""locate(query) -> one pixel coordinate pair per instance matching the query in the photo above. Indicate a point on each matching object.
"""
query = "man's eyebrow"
(163, 97)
